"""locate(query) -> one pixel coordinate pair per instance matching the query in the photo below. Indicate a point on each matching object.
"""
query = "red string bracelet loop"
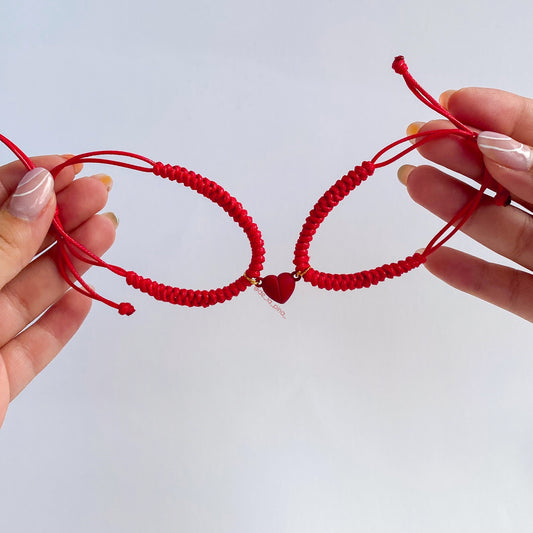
(337, 192)
(187, 297)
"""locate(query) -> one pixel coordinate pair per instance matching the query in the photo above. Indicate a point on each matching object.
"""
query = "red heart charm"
(279, 288)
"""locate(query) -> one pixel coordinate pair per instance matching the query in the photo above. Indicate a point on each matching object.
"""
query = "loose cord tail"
(69, 247)
(502, 196)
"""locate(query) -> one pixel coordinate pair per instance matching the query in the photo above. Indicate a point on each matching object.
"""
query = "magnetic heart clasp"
(279, 288)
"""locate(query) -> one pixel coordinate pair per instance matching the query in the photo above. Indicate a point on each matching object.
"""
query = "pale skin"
(505, 230)
(30, 287)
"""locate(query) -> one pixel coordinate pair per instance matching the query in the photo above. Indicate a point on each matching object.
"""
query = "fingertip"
(105, 179)
(414, 128)
(34, 196)
(77, 167)
(114, 219)
(24, 221)
(404, 172)
(444, 98)
(108, 224)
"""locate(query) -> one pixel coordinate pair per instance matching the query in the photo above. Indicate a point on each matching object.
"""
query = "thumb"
(24, 221)
(509, 162)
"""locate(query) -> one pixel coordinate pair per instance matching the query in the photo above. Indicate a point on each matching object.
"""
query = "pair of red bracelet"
(279, 287)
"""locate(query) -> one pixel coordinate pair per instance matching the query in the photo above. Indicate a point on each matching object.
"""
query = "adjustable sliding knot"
(164, 170)
(367, 166)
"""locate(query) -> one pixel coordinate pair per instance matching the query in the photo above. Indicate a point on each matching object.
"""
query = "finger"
(506, 230)
(453, 152)
(484, 110)
(12, 173)
(505, 287)
(39, 285)
(28, 353)
(24, 221)
(510, 162)
(493, 110)
(465, 157)
(78, 202)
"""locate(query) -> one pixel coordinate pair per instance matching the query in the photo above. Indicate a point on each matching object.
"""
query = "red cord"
(26, 161)
(69, 249)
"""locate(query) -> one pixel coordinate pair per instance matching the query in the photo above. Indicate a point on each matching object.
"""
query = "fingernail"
(105, 179)
(414, 128)
(444, 98)
(403, 173)
(505, 151)
(113, 218)
(32, 194)
(78, 167)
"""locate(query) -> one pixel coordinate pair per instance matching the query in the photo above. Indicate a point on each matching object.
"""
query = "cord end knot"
(126, 308)
(399, 65)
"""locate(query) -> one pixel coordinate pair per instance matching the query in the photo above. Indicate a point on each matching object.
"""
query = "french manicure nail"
(505, 151)
(32, 194)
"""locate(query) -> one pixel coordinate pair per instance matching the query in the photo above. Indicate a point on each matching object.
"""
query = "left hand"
(38, 312)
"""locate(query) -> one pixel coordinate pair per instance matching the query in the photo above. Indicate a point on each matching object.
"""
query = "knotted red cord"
(355, 177)
(69, 248)
(160, 291)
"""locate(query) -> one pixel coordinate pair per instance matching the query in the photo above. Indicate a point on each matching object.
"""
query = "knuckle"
(478, 282)
(10, 248)
(515, 289)
(17, 305)
(523, 247)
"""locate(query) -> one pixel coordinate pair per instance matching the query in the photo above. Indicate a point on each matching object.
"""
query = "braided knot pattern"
(187, 297)
(364, 279)
(217, 194)
(330, 199)
(344, 282)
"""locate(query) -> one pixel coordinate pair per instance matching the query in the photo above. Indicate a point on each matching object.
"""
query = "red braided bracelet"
(280, 287)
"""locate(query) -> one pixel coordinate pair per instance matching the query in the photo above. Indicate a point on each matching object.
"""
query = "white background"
(406, 407)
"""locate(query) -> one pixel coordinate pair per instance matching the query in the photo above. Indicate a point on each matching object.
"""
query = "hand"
(506, 230)
(30, 285)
